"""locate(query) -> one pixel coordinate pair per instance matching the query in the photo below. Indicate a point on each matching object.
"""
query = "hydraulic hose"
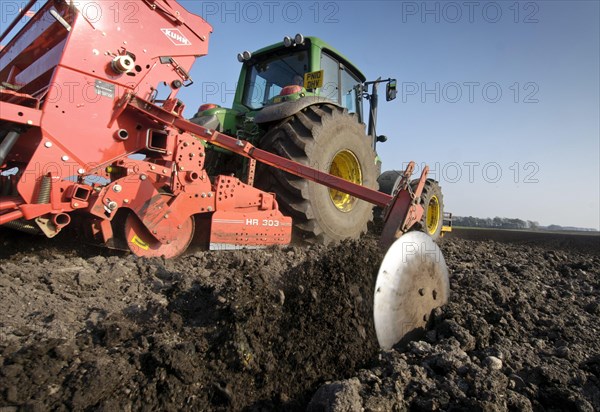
(7, 145)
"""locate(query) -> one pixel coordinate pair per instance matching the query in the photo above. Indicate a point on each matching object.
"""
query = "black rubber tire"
(313, 137)
(387, 180)
(432, 188)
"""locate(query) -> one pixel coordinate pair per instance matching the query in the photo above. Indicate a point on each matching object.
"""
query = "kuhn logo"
(176, 37)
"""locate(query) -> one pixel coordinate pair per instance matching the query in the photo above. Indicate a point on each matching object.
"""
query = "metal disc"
(143, 244)
(412, 281)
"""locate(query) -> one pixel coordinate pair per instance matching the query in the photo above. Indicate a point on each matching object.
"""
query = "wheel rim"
(345, 165)
(143, 244)
(433, 215)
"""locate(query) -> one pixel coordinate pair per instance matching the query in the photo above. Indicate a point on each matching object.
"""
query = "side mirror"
(390, 90)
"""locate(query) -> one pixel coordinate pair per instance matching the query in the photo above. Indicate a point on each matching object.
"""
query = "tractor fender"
(210, 121)
(283, 110)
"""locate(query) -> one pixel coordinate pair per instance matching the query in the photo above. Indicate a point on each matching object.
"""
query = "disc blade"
(412, 281)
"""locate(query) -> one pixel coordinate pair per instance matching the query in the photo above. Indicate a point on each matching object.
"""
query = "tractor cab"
(293, 69)
(298, 68)
(275, 78)
(280, 80)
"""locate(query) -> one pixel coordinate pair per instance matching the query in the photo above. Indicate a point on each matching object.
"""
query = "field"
(291, 328)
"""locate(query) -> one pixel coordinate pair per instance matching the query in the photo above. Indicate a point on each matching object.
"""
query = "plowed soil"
(291, 328)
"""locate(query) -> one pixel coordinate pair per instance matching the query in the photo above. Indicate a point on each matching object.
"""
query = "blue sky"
(531, 151)
(500, 99)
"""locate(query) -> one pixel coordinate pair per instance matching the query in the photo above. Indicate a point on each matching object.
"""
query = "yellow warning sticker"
(139, 242)
(313, 80)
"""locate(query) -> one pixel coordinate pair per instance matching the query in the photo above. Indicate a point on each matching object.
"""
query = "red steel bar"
(9, 217)
(10, 203)
(246, 149)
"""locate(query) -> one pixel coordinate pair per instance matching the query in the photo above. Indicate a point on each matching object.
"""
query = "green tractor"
(303, 100)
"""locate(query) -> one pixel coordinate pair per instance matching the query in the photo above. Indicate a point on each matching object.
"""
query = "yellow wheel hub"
(345, 165)
(432, 220)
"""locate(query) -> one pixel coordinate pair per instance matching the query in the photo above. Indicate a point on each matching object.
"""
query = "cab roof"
(315, 42)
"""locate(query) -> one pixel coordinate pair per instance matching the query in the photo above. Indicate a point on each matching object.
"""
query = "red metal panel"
(20, 114)
(233, 228)
(49, 157)
(79, 108)
(76, 116)
(77, 122)
(135, 28)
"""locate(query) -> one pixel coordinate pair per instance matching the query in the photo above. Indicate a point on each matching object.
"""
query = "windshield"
(268, 76)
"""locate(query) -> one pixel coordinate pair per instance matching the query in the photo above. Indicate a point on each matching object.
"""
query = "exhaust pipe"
(7, 145)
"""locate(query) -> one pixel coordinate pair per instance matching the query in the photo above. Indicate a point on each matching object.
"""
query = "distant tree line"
(507, 223)
(497, 222)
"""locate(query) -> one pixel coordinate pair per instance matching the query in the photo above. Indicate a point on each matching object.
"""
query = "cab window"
(348, 89)
(331, 78)
(338, 83)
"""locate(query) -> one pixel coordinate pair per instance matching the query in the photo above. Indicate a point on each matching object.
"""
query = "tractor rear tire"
(329, 139)
(387, 180)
